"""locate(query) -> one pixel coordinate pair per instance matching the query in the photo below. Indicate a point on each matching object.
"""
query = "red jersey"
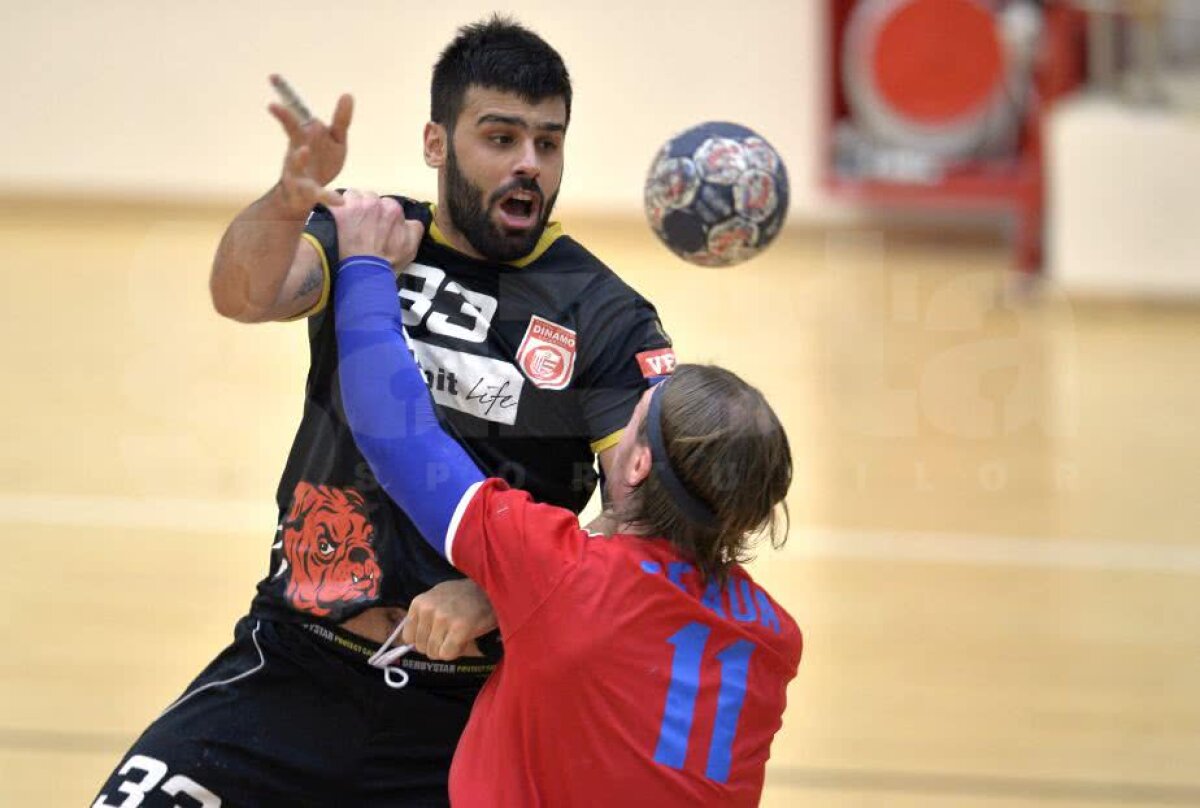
(625, 681)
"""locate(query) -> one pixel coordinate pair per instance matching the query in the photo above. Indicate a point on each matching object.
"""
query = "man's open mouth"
(519, 209)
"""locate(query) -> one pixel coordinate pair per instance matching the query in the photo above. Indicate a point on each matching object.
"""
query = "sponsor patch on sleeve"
(657, 364)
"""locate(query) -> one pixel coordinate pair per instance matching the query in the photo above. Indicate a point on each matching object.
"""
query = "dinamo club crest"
(547, 354)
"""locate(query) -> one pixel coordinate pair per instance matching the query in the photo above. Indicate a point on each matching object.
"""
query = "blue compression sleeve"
(388, 405)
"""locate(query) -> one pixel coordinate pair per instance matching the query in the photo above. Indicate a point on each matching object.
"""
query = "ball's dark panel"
(683, 231)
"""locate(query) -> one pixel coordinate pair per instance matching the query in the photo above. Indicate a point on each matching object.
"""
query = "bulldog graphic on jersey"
(328, 550)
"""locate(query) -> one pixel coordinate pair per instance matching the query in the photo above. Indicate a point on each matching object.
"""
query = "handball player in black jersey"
(535, 354)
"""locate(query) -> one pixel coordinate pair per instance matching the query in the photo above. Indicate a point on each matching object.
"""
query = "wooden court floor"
(995, 551)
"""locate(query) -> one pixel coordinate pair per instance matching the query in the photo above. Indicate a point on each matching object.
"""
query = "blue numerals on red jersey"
(680, 708)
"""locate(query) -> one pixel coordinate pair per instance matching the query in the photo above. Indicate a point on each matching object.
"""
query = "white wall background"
(168, 99)
(1123, 206)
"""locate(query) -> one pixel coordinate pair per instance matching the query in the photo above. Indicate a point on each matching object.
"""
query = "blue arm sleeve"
(388, 405)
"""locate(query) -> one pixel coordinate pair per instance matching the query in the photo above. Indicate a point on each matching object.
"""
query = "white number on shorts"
(153, 773)
(416, 304)
(180, 784)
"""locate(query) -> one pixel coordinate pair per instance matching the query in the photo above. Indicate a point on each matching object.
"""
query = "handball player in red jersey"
(641, 668)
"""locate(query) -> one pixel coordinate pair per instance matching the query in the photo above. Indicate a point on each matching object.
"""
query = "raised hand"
(316, 152)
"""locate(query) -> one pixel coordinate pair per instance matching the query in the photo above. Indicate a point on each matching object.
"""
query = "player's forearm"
(388, 406)
(254, 257)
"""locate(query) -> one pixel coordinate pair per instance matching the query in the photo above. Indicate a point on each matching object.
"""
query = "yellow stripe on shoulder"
(323, 300)
(607, 442)
(550, 235)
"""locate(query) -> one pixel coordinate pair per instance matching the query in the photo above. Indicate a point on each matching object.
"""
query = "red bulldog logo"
(327, 543)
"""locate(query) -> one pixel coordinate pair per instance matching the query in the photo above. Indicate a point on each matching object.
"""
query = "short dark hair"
(729, 450)
(499, 54)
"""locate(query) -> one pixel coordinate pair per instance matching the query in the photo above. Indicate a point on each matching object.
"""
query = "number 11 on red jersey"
(680, 708)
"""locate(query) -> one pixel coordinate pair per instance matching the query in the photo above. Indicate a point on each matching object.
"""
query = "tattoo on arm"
(313, 281)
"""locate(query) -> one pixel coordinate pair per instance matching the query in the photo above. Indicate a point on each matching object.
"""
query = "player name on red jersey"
(739, 600)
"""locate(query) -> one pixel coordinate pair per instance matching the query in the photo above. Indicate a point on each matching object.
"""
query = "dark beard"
(464, 199)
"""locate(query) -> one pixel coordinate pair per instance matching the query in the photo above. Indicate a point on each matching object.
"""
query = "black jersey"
(533, 365)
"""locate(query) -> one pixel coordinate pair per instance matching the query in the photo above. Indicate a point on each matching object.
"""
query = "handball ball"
(717, 194)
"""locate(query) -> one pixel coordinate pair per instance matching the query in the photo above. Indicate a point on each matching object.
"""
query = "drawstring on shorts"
(386, 655)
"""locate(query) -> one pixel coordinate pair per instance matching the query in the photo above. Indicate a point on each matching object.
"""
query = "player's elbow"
(230, 295)
(230, 304)
(225, 304)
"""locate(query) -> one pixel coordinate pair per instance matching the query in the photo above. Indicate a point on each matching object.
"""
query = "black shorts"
(291, 715)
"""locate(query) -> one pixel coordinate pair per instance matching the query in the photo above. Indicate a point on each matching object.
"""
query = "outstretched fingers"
(342, 114)
(290, 99)
(288, 120)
